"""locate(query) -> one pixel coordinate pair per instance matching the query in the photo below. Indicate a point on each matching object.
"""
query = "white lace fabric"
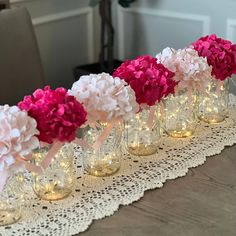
(96, 197)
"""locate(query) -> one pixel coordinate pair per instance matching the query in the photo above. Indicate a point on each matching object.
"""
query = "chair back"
(21, 69)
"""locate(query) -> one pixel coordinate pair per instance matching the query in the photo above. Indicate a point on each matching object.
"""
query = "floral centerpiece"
(58, 117)
(109, 101)
(192, 72)
(17, 141)
(151, 82)
(221, 56)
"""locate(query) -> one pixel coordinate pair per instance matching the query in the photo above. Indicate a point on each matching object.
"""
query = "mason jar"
(141, 135)
(105, 159)
(12, 198)
(58, 179)
(213, 102)
(180, 116)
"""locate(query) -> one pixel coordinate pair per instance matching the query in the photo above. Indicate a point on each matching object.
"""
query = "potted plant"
(106, 58)
(4, 4)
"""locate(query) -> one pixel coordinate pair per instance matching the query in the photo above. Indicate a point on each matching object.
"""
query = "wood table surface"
(201, 203)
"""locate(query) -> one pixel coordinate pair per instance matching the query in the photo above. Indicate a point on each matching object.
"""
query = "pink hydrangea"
(150, 81)
(17, 136)
(58, 114)
(220, 54)
(191, 70)
(105, 98)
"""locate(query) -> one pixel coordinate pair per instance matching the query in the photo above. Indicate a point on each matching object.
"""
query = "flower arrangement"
(105, 98)
(220, 54)
(58, 117)
(58, 114)
(109, 101)
(191, 70)
(103, 102)
(17, 139)
(150, 81)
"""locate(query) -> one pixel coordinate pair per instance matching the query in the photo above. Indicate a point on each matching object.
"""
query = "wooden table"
(201, 204)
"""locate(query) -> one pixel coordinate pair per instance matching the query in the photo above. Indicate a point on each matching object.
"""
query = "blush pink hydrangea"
(220, 54)
(105, 98)
(191, 70)
(17, 136)
(150, 81)
(58, 114)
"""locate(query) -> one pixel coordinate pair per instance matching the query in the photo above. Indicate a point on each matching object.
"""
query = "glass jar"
(180, 119)
(12, 199)
(58, 179)
(213, 102)
(104, 161)
(141, 138)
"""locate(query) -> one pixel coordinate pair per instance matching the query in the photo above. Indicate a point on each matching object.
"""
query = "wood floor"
(203, 203)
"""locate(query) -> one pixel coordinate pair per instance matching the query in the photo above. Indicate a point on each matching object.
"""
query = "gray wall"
(65, 33)
(150, 25)
(68, 31)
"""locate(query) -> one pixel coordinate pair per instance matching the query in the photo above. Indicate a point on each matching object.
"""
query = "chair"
(20, 64)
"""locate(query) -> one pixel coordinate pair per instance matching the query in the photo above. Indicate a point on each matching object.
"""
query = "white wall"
(65, 33)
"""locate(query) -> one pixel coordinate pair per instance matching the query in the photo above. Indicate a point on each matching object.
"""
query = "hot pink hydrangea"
(58, 114)
(150, 81)
(220, 54)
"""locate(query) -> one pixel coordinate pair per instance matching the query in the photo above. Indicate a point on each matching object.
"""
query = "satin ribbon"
(19, 160)
(51, 153)
(3, 179)
(45, 163)
(29, 166)
(49, 156)
(56, 147)
(103, 136)
(219, 83)
(151, 117)
(81, 143)
(33, 168)
(162, 110)
(190, 94)
(202, 89)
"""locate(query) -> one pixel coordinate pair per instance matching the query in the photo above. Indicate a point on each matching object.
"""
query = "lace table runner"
(95, 198)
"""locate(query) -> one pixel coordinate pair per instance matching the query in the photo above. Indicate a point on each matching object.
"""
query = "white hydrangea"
(105, 98)
(17, 135)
